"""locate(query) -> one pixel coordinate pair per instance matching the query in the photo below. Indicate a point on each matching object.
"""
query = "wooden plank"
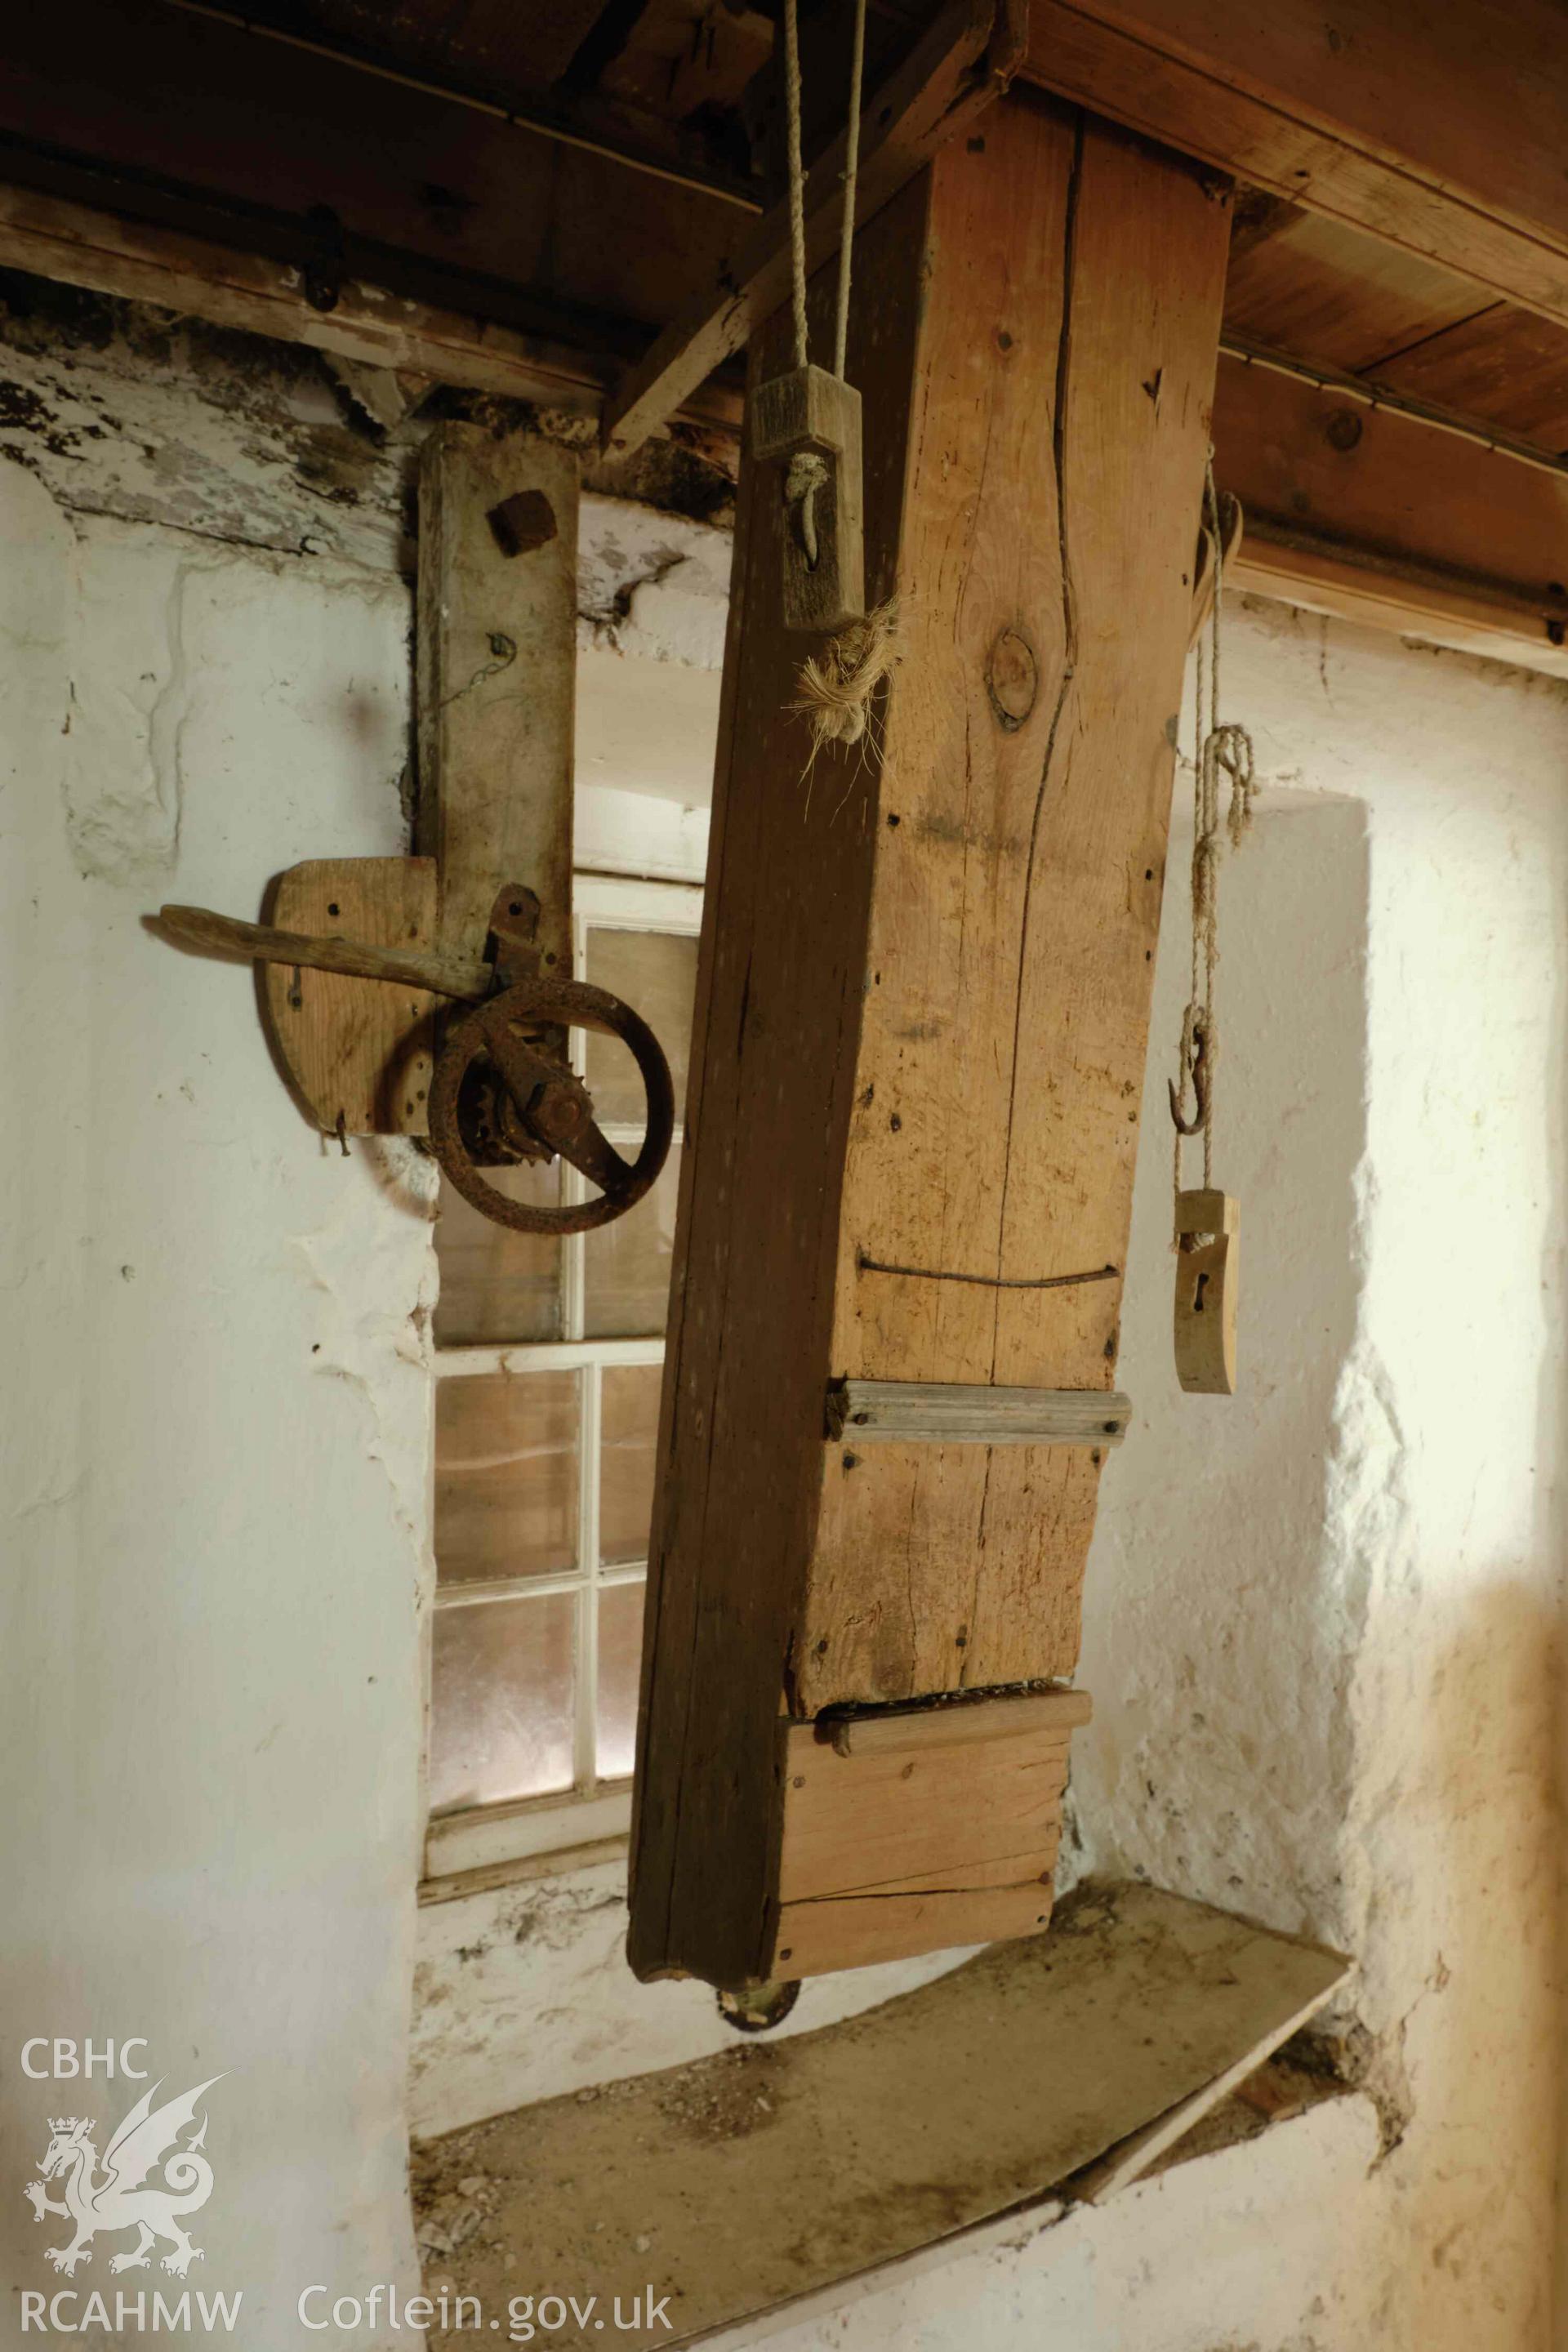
(1443, 137)
(918, 1412)
(1424, 524)
(1331, 293)
(997, 2083)
(987, 1192)
(497, 662)
(944, 1833)
(342, 174)
(924, 993)
(899, 1731)
(79, 243)
(1349, 587)
(959, 64)
(356, 1051)
(1502, 366)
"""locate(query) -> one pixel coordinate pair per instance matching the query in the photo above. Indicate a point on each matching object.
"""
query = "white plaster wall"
(215, 1408)
(1322, 1618)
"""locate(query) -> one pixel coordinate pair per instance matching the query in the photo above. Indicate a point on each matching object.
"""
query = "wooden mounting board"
(356, 1051)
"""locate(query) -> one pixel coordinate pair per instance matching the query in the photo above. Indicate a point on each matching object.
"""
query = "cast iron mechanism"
(502, 1093)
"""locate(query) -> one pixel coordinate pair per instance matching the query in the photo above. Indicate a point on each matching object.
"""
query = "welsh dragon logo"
(117, 2198)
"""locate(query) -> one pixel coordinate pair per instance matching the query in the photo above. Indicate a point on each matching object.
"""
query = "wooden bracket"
(807, 424)
(1207, 1237)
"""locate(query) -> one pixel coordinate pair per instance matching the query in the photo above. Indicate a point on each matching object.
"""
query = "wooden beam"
(193, 124)
(497, 645)
(1441, 130)
(923, 993)
(231, 285)
(1386, 518)
(960, 64)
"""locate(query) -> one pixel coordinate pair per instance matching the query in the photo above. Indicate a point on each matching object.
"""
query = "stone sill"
(1050, 2071)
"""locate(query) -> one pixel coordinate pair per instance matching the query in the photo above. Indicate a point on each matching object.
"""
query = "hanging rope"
(1220, 750)
(837, 689)
(796, 178)
(851, 173)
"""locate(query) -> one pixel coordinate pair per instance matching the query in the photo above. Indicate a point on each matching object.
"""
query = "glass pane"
(495, 1284)
(620, 1665)
(506, 1476)
(627, 1265)
(629, 1435)
(655, 973)
(501, 1701)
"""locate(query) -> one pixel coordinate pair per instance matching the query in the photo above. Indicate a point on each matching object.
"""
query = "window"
(548, 1356)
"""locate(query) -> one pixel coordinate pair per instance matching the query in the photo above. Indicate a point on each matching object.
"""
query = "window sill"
(546, 1830)
(1057, 2070)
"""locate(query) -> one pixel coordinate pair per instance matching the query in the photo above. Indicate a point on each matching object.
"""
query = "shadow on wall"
(1219, 1641)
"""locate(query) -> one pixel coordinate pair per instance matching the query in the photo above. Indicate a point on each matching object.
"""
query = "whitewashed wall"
(214, 1410)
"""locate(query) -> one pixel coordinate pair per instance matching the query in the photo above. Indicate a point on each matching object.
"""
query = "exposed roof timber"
(233, 285)
(966, 58)
(573, 124)
(1443, 538)
(1439, 130)
(1392, 519)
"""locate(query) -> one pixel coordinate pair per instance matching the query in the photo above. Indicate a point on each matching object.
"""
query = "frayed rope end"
(836, 692)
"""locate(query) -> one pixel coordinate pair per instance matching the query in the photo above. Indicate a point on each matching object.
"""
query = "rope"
(851, 171)
(1220, 749)
(796, 178)
(797, 184)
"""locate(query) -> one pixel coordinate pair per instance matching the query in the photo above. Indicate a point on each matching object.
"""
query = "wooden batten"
(923, 999)
(876, 1412)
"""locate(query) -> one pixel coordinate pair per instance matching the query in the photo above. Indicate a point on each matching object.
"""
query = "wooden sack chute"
(917, 1057)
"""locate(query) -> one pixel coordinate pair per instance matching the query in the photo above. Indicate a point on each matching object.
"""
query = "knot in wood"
(1012, 679)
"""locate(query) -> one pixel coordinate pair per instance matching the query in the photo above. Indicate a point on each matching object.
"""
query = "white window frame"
(485, 1836)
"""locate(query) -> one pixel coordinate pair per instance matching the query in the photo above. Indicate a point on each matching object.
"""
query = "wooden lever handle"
(460, 976)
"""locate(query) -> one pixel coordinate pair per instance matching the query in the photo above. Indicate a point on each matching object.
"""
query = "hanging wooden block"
(357, 1052)
(1207, 1235)
(807, 424)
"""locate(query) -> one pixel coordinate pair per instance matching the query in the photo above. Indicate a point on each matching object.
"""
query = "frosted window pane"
(626, 1264)
(501, 1701)
(629, 1430)
(620, 1665)
(655, 973)
(497, 1284)
(506, 1476)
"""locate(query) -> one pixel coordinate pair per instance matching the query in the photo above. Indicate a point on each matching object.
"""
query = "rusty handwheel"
(503, 1093)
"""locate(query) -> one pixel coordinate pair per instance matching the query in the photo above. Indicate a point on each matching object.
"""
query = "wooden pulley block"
(1207, 1237)
(807, 424)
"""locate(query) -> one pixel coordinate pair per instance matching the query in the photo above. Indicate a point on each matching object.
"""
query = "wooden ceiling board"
(492, 46)
(1506, 367)
(257, 123)
(1325, 293)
